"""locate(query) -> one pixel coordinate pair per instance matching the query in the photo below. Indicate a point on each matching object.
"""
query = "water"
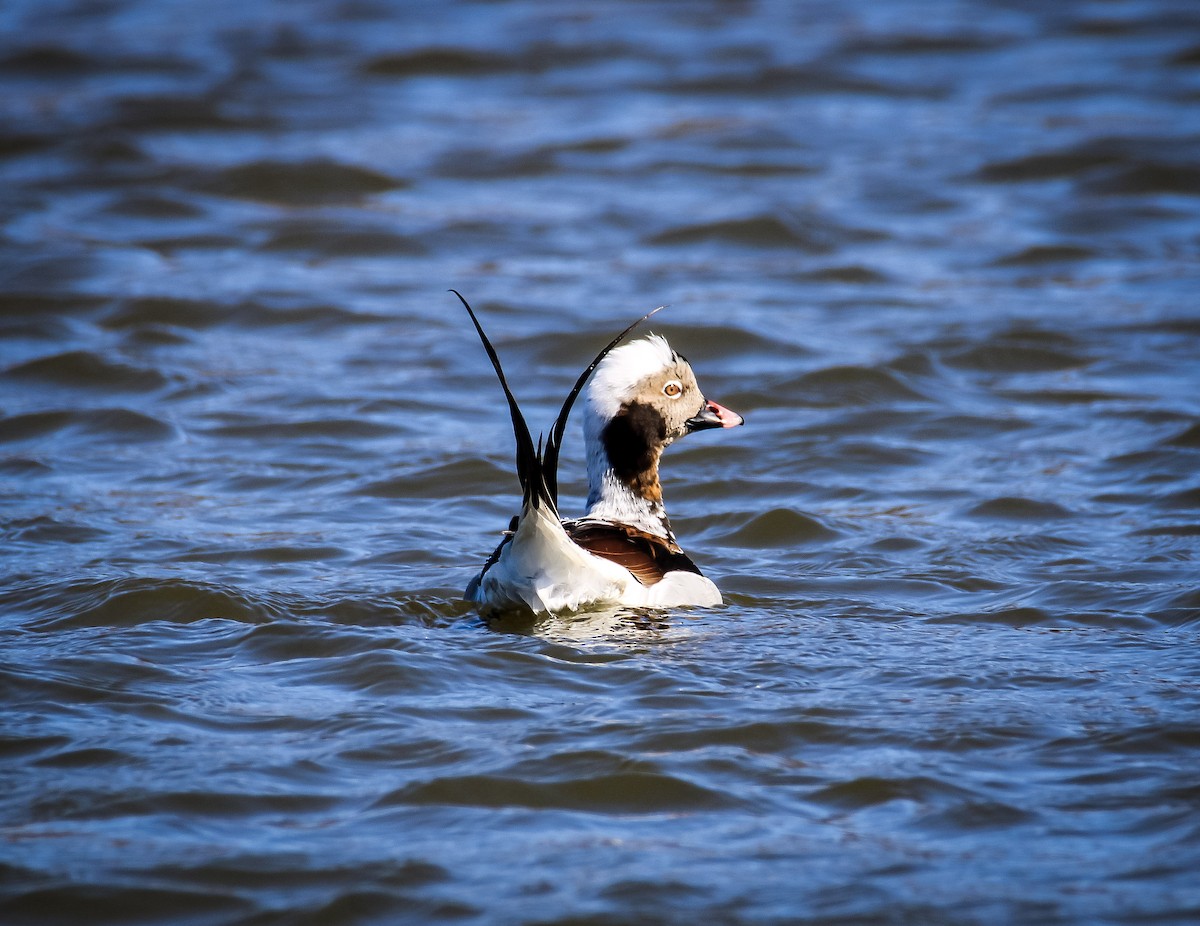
(943, 256)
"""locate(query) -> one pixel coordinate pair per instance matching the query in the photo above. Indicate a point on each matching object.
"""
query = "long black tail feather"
(529, 464)
(537, 469)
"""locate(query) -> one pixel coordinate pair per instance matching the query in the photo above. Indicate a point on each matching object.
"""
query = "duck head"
(642, 397)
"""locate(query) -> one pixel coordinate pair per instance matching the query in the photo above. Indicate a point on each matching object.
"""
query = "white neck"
(611, 499)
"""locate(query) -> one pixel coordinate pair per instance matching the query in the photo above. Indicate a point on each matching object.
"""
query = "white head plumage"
(622, 370)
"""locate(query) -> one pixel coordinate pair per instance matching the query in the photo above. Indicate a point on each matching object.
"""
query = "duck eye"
(673, 389)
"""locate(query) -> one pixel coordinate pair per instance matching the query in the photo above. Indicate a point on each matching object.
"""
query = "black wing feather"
(648, 557)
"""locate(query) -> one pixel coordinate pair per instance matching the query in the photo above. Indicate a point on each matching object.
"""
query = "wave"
(89, 370)
(298, 183)
(625, 792)
(810, 234)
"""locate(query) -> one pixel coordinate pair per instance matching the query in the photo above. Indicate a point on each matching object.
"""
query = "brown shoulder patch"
(649, 558)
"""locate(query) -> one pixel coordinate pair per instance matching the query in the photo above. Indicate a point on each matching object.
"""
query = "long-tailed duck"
(622, 552)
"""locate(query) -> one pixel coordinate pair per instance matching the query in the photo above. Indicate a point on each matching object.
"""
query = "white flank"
(542, 569)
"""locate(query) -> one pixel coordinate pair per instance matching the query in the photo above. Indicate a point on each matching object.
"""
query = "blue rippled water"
(942, 255)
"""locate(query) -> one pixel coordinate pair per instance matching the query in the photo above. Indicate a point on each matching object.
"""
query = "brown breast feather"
(648, 557)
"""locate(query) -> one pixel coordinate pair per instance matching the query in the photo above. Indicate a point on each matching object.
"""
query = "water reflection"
(605, 625)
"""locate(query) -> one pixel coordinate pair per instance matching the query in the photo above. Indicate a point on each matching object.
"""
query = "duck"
(640, 398)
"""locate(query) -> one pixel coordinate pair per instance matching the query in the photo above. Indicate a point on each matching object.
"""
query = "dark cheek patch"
(632, 441)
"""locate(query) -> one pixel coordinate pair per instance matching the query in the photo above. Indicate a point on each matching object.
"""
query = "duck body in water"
(640, 398)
